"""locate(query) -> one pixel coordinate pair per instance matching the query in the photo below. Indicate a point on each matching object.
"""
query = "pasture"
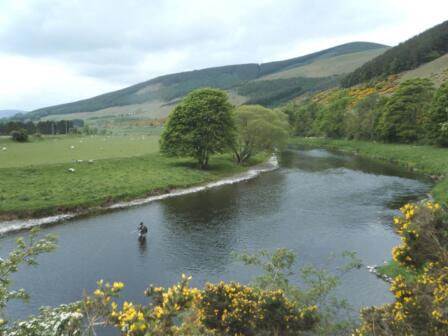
(35, 177)
(64, 149)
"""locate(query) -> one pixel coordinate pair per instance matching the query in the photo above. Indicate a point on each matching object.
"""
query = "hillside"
(421, 49)
(436, 70)
(255, 83)
(9, 113)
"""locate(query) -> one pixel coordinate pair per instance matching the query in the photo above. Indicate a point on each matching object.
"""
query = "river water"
(317, 203)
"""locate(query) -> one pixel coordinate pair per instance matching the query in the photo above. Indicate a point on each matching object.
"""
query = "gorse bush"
(421, 304)
(234, 309)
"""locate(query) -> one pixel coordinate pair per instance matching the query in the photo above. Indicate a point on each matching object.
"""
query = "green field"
(35, 180)
(58, 149)
(427, 160)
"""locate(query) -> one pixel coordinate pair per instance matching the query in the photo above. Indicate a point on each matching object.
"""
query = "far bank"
(427, 160)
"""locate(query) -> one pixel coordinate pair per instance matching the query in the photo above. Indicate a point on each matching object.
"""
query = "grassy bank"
(424, 159)
(33, 190)
(393, 269)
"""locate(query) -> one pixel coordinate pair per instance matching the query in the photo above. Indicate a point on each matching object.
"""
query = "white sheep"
(72, 147)
(4, 148)
(90, 161)
(71, 170)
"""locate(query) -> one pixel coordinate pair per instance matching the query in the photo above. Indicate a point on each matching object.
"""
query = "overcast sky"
(56, 51)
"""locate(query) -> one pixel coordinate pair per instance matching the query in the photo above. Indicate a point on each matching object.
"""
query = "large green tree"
(436, 123)
(199, 126)
(404, 114)
(257, 129)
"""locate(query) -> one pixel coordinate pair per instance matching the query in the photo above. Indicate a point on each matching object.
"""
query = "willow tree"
(201, 125)
(258, 129)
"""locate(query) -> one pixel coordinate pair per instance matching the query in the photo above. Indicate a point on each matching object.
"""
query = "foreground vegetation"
(271, 305)
(427, 160)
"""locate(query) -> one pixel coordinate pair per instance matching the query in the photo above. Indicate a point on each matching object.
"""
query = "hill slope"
(418, 50)
(244, 82)
(8, 113)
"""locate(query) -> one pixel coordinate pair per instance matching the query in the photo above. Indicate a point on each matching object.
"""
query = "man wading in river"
(142, 231)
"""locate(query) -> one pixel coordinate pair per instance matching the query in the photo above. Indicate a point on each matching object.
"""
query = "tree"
(19, 135)
(199, 126)
(363, 119)
(437, 118)
(302, 117)
(331, 118)
(404, 113)
(257, 129)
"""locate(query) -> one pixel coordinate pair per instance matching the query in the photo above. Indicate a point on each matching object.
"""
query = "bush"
(421, 304)
(19, 135)
(234, 309)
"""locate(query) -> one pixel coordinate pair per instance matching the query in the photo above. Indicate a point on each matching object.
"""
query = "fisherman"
(142, 231)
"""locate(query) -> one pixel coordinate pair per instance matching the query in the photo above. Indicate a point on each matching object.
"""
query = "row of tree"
(205, 123)
(416, 112)
(42, 127)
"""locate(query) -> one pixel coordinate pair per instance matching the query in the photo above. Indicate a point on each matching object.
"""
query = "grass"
(427, 160)
(393, 269)
(57, 149)
(30, 188)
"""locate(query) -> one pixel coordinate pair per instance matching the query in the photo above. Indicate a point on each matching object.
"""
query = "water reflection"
(142, 247)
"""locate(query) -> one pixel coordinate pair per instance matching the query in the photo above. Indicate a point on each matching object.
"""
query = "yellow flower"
(98, 292)
(117, 285)
(158, 311)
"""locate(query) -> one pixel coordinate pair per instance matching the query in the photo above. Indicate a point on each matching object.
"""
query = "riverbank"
(259, 164)
(75, 183)
(427, 160)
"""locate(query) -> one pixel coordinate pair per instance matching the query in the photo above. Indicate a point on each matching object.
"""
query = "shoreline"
(23, 224)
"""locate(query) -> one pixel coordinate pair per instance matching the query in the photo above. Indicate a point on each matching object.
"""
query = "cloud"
(101, 44)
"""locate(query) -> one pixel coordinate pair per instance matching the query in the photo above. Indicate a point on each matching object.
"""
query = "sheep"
(4, 148)
(72, 147)
(90, 161)
(71, 170)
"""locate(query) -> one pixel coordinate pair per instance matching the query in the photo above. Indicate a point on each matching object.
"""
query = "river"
(317, 203)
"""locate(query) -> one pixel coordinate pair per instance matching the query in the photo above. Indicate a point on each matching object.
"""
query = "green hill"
(254, 83)
(421, 49)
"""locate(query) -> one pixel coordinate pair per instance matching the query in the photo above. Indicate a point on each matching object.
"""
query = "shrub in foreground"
(421, 305)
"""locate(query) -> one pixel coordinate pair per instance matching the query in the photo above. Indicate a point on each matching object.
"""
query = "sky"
(58, 51)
